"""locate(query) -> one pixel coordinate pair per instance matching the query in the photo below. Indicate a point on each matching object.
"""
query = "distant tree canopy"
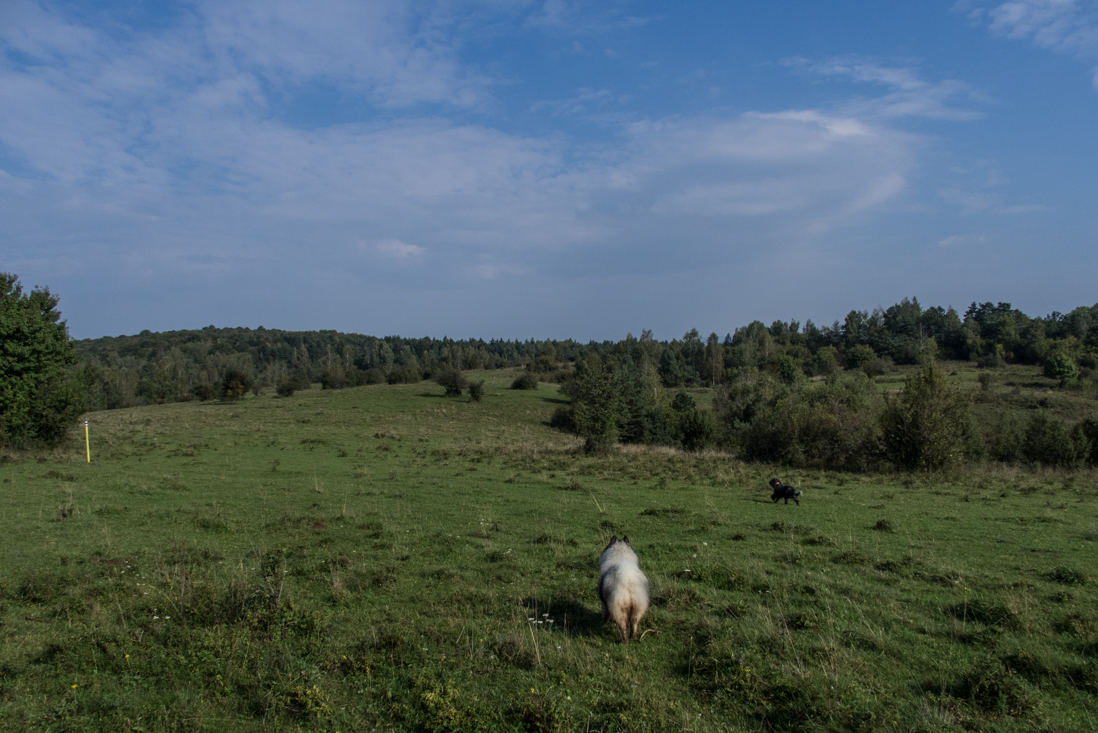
(39, 398)
(173, 366)
(786, 392)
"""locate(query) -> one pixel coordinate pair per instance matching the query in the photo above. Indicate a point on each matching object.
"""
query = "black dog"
(781, 491)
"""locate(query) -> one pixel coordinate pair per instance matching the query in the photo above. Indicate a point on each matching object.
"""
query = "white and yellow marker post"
(87, 442)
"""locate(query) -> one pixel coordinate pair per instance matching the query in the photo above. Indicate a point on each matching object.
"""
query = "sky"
(545, 168)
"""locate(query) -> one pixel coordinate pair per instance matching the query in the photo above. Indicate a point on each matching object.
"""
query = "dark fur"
(781, 491)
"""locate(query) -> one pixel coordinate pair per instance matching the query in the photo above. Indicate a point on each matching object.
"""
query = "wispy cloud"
(584, 101)
(962, 240)
(909, 94)
(163, 157)
(983, 202)
(1065, 26)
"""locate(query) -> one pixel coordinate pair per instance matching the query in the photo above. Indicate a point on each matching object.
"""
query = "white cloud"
(910, 95)
(398, 54)
(162, 155)
(579, 103)
(1065, 26)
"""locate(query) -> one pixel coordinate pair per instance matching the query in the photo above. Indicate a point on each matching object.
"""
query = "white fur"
(623, 588)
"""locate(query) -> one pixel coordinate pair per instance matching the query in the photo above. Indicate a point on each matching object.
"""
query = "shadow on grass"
(570, 615)
(557, 400)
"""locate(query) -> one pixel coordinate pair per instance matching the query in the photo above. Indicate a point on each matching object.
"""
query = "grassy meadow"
(384, 558)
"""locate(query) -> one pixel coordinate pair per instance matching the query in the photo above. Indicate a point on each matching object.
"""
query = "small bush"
(204, 391)
(405, 375)
(563, 419)
(789, 369)
(683, 402)
(452, 380)
(372, 376)
(698, 430)
(1049, 442)
(1059, 365)
(297, 381)
(1005, 441)
(526, 380)
(235, 385)
(476, 391)
(859, 356)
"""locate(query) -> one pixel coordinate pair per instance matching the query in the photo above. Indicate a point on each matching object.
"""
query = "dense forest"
(174, 366)
(800, 395)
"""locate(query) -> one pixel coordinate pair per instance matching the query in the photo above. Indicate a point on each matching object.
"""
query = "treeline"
(991, 334)
(152, 368)
(767, 409)
(842, 422)
(176, 366)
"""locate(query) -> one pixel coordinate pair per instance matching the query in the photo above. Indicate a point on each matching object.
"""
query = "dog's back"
(623, 588)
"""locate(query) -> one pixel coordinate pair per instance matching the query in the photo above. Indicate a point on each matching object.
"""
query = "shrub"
(476, 391)
(235, 385)
(372, 376)
(1059, 365)
(789, 369)
(452, 380)
(1089, 430)
(336, 379)
(697, 430)
(407, 374)
(1049, 442)
(683, 402)
(827, 359)
(564, 418)
(1005, 441)
(860, 355)
(526, 380)
(834, 425)
(876, 367)
(204, 391)
(295, 382)
(926, 426)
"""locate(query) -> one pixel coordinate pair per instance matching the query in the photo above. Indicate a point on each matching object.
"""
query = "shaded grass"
(378, 558)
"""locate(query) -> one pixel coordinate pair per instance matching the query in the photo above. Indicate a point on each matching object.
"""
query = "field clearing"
(384, 558)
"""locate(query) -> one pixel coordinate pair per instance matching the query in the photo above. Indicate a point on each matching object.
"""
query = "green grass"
(370, 559)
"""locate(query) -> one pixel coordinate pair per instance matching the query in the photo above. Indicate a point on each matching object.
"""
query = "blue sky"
(545, 168)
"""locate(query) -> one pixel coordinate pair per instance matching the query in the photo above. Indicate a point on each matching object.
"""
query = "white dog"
(623, 588)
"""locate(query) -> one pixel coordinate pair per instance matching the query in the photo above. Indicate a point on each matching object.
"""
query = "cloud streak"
(1065, 26)
(909, 95)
